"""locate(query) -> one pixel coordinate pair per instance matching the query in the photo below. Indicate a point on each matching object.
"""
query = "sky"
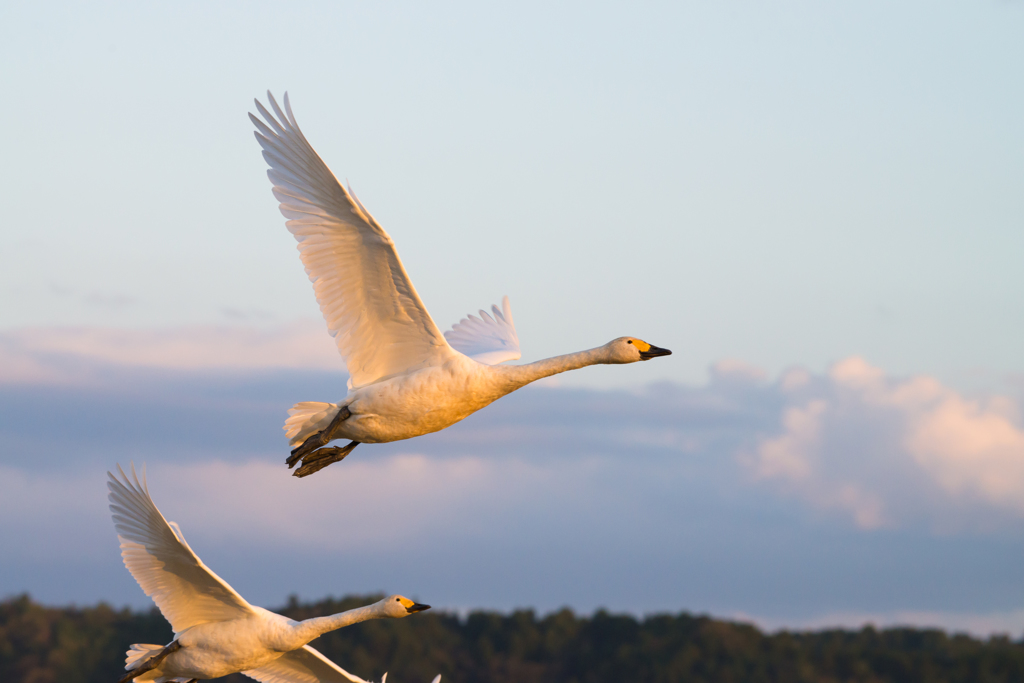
(816, 207)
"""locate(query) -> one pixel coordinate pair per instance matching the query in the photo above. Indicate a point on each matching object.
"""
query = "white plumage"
(488, 339)
(216, 632)
(405, 377)
(372, 310)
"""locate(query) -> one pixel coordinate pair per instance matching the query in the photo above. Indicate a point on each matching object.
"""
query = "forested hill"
(86, 645)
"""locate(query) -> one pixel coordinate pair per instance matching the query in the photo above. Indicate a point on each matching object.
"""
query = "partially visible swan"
(216, 632)
(405, 377)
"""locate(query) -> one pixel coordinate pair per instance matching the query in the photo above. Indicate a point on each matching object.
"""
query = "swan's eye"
(398, 600)
(629, 341)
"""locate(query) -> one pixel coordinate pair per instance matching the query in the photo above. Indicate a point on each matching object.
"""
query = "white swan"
(405, 377)
(216, 632)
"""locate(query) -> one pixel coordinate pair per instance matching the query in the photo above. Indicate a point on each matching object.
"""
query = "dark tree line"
(86, 645)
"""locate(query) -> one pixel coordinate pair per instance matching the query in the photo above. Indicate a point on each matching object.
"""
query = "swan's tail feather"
(139, 654)
(307, 418)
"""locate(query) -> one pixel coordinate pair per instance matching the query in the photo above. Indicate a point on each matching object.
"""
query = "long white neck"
(520, 375)
(309, 629)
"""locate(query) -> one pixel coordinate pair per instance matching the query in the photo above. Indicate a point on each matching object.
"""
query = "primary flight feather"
(405, 377)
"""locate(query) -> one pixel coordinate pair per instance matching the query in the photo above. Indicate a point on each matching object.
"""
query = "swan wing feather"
(378, 322)
(186, 591)
(490, 338)
(304, 665)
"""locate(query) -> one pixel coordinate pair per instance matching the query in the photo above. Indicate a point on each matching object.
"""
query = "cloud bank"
(65, 355)
(847, 495)
(890, 452)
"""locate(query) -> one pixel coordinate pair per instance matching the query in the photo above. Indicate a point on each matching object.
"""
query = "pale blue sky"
(782, 184)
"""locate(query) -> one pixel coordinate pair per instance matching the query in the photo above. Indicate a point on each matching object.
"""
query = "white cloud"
(972, 448)
(891, 451)
(374, 505)
(52, 355)
(363, 505)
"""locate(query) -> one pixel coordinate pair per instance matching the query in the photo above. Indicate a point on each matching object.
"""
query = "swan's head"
(398, 606)
(631, 349)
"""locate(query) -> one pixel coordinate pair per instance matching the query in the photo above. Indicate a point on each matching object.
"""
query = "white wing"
(155, 552)
(304, 665)
(489, 340)
(372, 310)
(307, 665)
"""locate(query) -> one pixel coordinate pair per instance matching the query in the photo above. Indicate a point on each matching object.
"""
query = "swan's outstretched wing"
(304, 665)
(376, 317)
(487, 339)
(155, 552)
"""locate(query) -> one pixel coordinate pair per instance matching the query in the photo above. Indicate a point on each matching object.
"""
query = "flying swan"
(405, 377)
(216, 632)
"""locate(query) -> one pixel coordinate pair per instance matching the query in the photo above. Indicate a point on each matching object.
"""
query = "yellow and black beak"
(416, 607)
(654, 352)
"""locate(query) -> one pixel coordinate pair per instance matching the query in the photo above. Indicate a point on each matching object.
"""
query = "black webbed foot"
(321, 438)
(319, 459)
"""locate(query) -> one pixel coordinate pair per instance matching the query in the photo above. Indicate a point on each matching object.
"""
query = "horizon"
(464, 613)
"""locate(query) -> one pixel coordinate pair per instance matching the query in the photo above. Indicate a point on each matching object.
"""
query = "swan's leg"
(151, 663)
(321, 438)
(319, 459)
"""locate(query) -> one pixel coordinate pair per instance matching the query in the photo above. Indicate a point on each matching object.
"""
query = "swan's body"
(405, 377)
(216, 632)
(432, 398)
